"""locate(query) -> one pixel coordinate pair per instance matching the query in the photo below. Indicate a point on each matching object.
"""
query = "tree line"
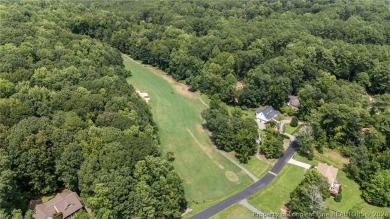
(332, 54)
(69, 119)
(230, 131)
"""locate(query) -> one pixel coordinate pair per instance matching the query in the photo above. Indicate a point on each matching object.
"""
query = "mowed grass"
(257, 167)
(329, 156)
(352, 197)
(351, 190)
(207, 175)
(290, 130)
(274, 197)
(236, 211)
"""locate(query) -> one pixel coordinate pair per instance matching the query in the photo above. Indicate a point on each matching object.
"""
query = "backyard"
(351, 190)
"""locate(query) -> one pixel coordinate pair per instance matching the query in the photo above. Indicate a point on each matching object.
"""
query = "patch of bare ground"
(201, 129)
(231, 176)
(188, 210)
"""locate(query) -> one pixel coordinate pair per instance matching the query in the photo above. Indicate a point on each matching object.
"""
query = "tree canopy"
(69, 119)
(67, 113)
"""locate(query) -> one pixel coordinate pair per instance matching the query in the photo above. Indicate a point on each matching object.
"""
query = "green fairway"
(207, 175)
(274, 197)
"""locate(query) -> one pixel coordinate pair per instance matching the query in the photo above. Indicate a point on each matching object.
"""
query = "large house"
(67, 203)
(265, 115)
(330, 173)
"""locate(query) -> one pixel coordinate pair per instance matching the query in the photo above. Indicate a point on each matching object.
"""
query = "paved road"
(260, 184)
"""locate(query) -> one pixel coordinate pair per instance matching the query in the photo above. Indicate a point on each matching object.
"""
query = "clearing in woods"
(207, 175)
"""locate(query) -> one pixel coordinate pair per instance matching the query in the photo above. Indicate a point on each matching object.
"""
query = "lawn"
(257, 167)
(351, 191)
(351, 197)
(207, 175)
(274, 197)
(236, 211)
(329, 156)
(290, 130)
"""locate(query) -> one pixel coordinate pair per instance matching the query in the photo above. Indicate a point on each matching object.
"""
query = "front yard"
(274, 197)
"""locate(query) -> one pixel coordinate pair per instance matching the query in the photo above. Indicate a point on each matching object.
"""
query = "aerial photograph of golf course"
(195, 109)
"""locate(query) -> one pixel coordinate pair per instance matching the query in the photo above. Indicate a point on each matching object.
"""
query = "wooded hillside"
(69, 119)
(334, 55)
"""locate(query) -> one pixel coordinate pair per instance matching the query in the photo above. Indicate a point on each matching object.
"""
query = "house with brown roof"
(67, 203)
(330, 173)
(293, 102)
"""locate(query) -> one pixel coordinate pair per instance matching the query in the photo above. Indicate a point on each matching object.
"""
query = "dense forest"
(230, 131)
(332, 54)
(68, 118)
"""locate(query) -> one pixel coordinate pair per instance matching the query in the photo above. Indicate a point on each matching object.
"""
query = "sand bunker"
(144, 96)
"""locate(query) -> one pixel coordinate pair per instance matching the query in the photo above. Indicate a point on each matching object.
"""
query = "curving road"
(255, 187)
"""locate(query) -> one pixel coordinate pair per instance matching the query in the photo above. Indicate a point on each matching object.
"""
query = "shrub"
(339, 196)
(287, 110)
(294, 122)
(170, 156)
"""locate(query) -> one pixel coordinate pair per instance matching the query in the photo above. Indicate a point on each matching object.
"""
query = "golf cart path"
(255, 211)
(253, 177)
(184, 90)
(255, 187)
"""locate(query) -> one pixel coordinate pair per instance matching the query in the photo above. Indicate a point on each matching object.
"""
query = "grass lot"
(237, 211)
(351, 197)
(273, 197)
(207, 175)
(290, 130)
(330, 157)
(247, 113)
(257, 167)
(351, 191)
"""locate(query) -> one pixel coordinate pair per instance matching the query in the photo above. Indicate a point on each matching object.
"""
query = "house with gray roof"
(265, 115)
